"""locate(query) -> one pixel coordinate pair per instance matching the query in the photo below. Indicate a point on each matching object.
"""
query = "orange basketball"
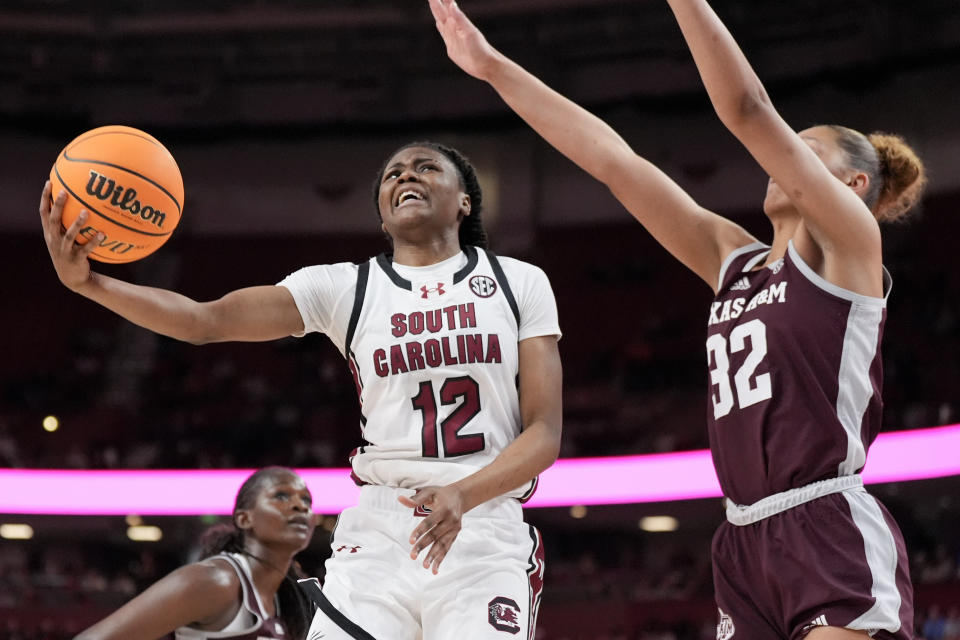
(129, 184)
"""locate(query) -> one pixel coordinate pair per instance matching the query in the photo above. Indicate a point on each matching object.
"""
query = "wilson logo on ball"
(106, 188)
(130, 185)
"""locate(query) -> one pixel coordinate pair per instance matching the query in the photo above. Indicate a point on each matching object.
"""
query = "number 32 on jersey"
(750, 389)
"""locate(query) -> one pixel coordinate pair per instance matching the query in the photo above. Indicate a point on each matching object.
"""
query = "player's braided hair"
(897, 175)
(295, 609)
(471, 227)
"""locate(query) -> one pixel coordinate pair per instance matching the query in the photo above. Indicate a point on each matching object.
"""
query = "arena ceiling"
(210, 63)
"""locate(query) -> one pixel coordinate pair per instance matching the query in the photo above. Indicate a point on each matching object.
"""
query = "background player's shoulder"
(215, 572)
(212, 581)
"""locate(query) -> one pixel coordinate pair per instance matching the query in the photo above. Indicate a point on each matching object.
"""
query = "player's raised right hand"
(69, 258)
(466, 45)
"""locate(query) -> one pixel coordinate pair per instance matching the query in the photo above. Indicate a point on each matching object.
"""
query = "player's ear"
(465, 205)
(243, 520)
(859, 182)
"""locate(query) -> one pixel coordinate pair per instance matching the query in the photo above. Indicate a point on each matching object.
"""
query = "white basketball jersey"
(434, 354)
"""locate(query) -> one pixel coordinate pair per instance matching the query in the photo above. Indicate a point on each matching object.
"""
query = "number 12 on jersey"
(748, 393)
(463, 389)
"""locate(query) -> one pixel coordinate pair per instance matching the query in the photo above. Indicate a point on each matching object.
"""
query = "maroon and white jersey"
(251, 622)
(794, 375)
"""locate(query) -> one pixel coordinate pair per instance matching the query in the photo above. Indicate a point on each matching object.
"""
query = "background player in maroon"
(246, 585)
(793, 337)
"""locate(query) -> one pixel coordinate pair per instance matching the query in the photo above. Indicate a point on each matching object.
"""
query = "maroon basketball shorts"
(793, 563)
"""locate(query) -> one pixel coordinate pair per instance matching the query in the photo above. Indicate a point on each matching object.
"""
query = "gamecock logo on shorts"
(483, 286)
(504, 615)
(725, 628)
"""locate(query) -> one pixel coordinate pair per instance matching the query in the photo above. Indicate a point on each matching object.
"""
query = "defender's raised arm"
(825, 190)
(697, 237)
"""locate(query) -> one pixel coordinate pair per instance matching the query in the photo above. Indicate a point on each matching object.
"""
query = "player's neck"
(425, 254)
(267, 568)
(784, 228)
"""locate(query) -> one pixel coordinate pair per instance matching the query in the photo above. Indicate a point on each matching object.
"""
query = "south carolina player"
(246, 585)
(793, 336)
(436, 338)
(454, 353)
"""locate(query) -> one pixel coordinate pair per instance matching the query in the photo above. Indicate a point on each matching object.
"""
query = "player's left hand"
(439, 529)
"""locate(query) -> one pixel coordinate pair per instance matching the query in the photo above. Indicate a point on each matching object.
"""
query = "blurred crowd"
(940, 624)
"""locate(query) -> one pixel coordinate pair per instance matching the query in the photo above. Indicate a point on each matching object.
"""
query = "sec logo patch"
(483, 286)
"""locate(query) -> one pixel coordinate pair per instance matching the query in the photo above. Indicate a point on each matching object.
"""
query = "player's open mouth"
(407, 196)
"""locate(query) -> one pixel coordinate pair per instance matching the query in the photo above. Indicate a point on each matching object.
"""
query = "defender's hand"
(69, 258)
(439, 529)
(466, 45)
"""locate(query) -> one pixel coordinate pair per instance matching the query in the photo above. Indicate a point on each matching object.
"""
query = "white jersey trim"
(753, 246)
(881, 550)
(836, 290)
(742, 515)
(755, 260)
(861, 339)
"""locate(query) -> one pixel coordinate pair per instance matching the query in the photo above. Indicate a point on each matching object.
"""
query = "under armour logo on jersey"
(483, 286)
(344, 547)
(725, 629)
(776, 266)
(740, 285)
(425, 291)
(503, 614)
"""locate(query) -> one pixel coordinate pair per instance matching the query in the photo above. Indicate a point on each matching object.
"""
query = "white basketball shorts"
(488, 586)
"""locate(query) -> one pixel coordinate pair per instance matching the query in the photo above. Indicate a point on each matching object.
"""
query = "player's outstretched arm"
(697, 237)
(204, 594)
(252, 314)
(534, 450)
(834, 214)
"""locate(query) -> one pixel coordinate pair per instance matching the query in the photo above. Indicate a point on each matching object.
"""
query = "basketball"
(130, 186)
